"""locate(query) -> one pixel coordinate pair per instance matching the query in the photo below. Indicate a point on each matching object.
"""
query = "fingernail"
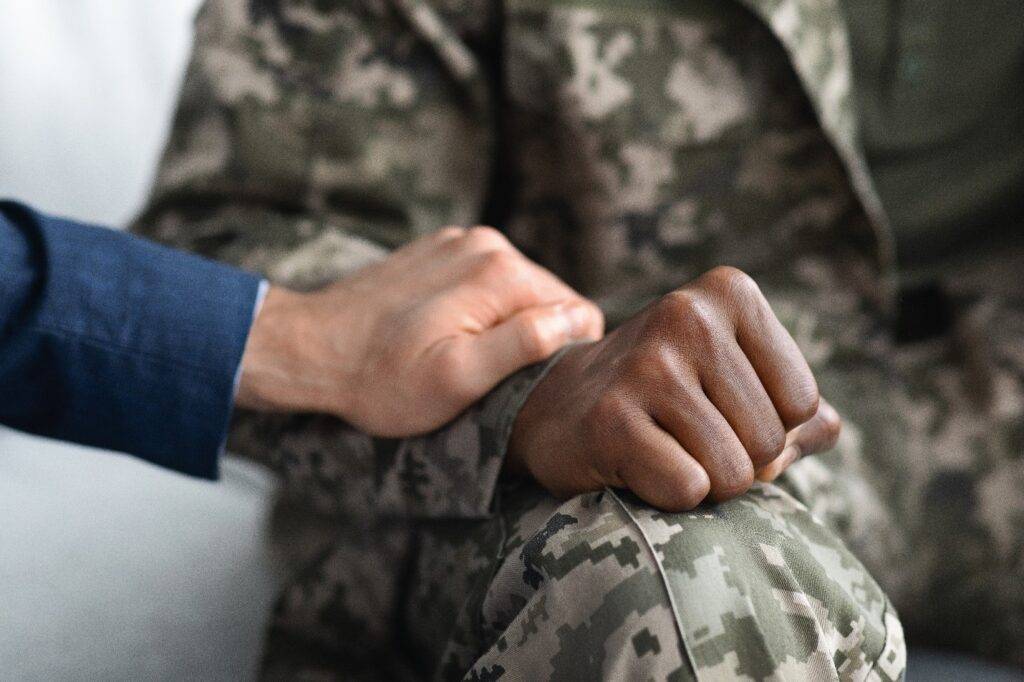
(578, 316)
(827, 411)
(789, 454)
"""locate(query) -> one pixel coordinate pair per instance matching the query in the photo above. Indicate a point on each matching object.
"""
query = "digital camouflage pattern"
(628, 146)
(605, 587)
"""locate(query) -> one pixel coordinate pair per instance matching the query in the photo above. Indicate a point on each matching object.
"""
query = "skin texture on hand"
(402, 346)
(689, 399)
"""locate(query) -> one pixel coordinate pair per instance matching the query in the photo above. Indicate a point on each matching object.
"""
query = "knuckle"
(652, 361)
(449, 232)
(687, 311)
(484, 238)
(728, 279)
(736, 286)
(678, 303)
(497, 266)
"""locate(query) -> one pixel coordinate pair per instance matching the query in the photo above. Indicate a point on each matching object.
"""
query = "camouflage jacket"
(628, 145)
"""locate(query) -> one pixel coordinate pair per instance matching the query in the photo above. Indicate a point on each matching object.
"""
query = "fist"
(692, 398)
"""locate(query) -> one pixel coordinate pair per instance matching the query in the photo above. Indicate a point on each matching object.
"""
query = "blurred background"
(111, 568)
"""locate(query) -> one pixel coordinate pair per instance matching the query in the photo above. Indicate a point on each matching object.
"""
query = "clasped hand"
(694, 397)
(404, 345)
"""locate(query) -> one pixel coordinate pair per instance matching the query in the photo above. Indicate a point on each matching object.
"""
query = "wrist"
(528, 424)
(283, 368)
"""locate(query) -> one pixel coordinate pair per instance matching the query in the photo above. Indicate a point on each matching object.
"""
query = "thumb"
(818, 434)
(530, 336)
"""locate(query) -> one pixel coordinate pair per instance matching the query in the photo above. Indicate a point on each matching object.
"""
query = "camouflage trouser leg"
(337, 614)
(604, 587)
(927, 487)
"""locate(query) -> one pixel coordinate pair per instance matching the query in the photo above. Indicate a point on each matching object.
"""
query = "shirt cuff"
(261, 294)
(118, 343)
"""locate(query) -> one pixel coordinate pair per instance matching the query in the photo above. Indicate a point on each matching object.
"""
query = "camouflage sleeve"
(308, 142)
(337, 470)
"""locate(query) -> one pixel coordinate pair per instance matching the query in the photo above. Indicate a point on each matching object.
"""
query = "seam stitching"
(664, 579)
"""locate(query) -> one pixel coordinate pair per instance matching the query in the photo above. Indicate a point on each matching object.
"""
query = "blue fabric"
(112, 341)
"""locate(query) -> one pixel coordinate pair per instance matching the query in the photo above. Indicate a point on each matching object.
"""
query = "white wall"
(86, 91)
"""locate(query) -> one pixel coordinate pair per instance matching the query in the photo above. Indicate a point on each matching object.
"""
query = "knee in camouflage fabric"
(605, 587)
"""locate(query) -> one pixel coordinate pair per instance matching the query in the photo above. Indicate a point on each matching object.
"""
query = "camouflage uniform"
(628, 146)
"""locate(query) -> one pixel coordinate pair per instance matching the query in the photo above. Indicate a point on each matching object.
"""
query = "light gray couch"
(111, 569)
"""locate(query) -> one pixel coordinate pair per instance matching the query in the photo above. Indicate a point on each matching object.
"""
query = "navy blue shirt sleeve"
(112, 341)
